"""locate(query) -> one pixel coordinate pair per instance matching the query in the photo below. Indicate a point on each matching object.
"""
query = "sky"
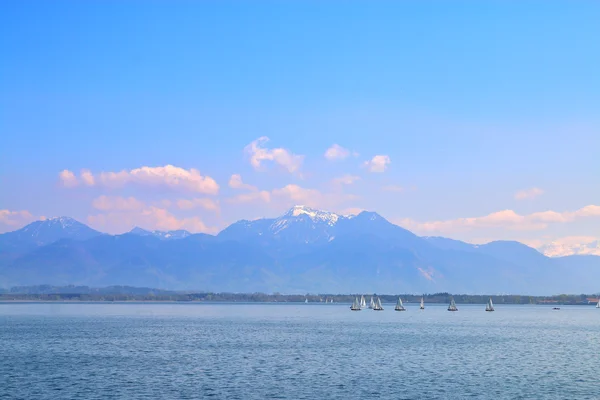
(473, 120)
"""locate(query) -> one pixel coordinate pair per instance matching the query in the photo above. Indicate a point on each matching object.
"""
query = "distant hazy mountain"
(165, 235)
(304, 250)
(40, 233)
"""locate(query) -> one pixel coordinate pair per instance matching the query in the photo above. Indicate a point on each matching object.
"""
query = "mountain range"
(304, 250)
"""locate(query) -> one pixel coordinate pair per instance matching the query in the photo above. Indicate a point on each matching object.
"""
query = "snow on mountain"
(164, 235)
(315, 215)
(562, 249)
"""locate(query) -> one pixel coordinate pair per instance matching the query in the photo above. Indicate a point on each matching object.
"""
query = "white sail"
(372, 303)
(598, 303)
(489, 306)
(399, 305)
(378, 306)
(363, 303)
(422, 307)
(355, 305)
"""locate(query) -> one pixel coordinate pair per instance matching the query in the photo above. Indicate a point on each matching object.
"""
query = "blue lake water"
(289, 351)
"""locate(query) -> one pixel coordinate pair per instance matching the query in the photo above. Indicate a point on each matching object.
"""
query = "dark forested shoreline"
(126, 293)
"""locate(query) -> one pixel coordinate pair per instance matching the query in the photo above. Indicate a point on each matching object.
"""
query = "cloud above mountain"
(168, 176)
(120, 214)
(505, 219)
(258, 153)
(236, 182)
(10, 220)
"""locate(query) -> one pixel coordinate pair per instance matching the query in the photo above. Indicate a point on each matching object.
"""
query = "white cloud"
(235, 182)
(11, 220)
(528, 193)
(336, 152)
(258, 153)
(168, 176)
(505, 219)
(345, 180)
(68, 178)
(205, 203)
(378, 163)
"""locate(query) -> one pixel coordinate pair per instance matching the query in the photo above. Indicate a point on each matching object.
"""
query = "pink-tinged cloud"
(151, 218)
(11, 220)
(236, 182)
(336, 152)
(204, 203)
(505, 219)
(528, 193)
(258, 154)
(290, 195)
(169, 176)
(379, 163)
(68, 178)
(87, 177)
(299, 195)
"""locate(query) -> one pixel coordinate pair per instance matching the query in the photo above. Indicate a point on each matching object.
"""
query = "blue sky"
(471, 102)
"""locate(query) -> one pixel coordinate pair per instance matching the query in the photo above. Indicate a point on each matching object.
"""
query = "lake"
(296, 351)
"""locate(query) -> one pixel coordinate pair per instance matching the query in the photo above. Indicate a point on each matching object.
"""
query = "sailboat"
(489, 306)
(598, 303)
(452, 306)
(372, 303)
(422, 306)
(306, 300)
(399, 306)
(363, 303)
(355, 305)
(378, 306)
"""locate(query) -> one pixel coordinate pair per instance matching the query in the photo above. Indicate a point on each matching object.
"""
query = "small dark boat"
(556, 308)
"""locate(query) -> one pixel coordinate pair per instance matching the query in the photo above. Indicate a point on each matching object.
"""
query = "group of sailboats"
(358, 305)
(375, 304)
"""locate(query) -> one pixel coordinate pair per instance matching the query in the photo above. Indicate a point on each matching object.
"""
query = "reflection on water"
(296, 351)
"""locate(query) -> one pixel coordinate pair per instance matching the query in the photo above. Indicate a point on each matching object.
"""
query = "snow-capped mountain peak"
(568, 248)
(64, 222)
(315, 215)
